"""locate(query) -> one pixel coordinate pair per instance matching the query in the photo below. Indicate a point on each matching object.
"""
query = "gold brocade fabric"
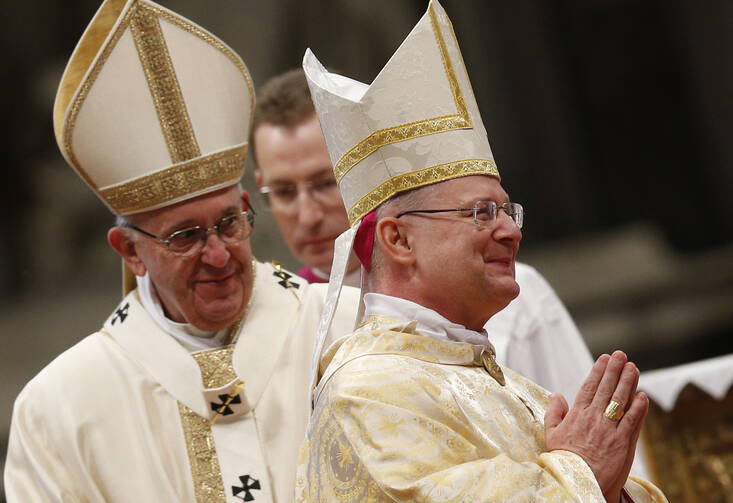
(403, 417)
(690, 449)
(419, 178)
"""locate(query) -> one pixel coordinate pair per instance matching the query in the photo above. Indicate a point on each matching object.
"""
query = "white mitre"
(416, 124)
(152, 109)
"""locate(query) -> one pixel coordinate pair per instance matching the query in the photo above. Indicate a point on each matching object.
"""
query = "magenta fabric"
(307, 274)
(364, 241)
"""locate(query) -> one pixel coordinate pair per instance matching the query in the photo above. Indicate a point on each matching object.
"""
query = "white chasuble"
(400, 416)
(129, 415)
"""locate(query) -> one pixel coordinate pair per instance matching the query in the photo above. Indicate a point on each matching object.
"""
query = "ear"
(258, 177)
(246, 204)
(118, 238)
(394, 240)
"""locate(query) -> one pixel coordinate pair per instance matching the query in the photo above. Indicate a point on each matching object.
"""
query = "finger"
(556, 410)
(609, 380)
(588, 389)
(632, 446)
(626, 386)
(630, 425)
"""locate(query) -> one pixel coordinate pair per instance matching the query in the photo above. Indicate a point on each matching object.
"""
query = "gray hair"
(123, 220)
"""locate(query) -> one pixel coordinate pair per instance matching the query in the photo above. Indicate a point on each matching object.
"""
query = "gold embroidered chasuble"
(126, 414)
(400, 416)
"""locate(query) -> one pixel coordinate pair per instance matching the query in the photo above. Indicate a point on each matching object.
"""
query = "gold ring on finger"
(614, 411)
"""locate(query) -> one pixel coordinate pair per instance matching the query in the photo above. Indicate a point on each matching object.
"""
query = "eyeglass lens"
(284, 196)
(229, 229)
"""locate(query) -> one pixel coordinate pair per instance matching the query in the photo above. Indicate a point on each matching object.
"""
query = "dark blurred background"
(610, 120)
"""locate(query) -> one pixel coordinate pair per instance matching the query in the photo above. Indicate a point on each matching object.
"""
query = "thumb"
(556, 411)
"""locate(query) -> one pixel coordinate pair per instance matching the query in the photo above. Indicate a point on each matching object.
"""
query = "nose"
(310, 212)
(215, 252)
(506, 229)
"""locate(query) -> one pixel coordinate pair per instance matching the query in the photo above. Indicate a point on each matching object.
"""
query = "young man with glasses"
(295, 176)
(194, 389)
(413, 406)
(296, 179)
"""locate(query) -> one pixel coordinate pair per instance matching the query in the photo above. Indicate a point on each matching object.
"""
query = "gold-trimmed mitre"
(152, 109)
(416, 124)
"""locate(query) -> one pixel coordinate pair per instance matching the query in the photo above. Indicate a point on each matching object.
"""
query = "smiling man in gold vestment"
(413, 406)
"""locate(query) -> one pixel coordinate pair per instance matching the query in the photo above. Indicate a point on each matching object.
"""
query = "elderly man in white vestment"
(192, 390)
(413, 406)
(534, 335)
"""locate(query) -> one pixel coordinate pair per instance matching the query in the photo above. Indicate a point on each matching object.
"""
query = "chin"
(218, 317)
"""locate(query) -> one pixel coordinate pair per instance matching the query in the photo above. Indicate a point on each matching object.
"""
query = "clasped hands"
(604, 436)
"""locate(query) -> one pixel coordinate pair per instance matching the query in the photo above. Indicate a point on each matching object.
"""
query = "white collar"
(429, 322)
(189, 336)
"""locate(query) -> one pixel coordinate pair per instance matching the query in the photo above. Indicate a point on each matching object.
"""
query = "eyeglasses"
(484, 212)
(284, 196)
(187, 242)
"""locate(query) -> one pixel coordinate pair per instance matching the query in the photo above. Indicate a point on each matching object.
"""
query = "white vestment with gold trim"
(126, 414)
(402, 416)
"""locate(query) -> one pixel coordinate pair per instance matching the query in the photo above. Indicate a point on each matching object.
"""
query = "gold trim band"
(163, 84)
(208, 484)
(186, 25)
(216, 366)
(411, 130)
(177, 181)
(420, 178)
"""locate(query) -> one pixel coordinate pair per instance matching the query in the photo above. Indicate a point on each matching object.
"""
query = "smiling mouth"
(220, 279)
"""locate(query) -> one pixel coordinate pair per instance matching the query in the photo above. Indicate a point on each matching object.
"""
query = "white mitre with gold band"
(152, 109)
(416, 124)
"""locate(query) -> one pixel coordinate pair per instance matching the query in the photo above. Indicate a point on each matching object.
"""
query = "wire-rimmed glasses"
(484, 212)
(284, 196)
(190, 241)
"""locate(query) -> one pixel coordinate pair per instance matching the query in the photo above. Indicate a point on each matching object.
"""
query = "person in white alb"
(413, 406)
(193, 388)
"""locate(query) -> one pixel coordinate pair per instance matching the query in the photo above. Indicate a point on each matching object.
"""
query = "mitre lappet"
(416, 124)
(152, 109)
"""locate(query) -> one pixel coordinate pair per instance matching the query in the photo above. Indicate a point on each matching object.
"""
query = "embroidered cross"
(285, 279)
(223, 407)
(248, 484)
(121, 313)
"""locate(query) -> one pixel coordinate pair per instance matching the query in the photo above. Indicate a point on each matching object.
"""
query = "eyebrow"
(317, 174)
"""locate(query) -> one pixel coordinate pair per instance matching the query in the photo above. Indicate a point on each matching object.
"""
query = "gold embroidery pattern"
(204, 173)
(207, 481)
(419, 178)
(411, 130)
(177, 181)
(163, 85)
(214, 42)
(334, 470)
(216, 366)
